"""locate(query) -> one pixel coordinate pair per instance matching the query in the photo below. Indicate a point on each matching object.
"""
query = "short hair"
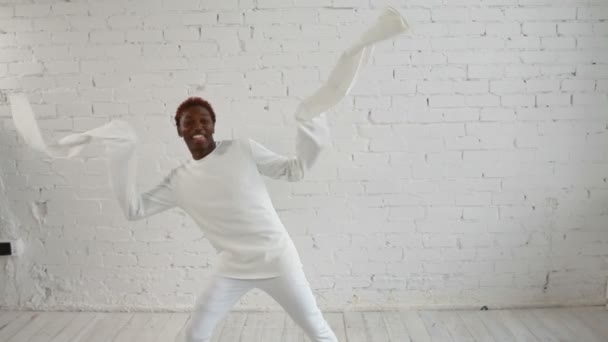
(191, 102)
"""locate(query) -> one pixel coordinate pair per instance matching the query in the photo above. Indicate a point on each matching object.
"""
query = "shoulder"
(250, 147)
(176, 171)
(244, 144)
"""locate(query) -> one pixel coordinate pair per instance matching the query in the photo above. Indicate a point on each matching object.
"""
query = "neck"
(202, 153)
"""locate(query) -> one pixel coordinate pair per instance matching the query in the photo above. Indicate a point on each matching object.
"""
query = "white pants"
(292, 291)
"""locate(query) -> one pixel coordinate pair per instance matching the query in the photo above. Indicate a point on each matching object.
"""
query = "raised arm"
(311, 136)
(313, 131)
(120, 141)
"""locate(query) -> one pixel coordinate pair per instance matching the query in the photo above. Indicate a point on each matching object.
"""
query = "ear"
(179, 132)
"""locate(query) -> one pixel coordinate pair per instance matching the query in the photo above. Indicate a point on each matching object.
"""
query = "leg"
(215, 302)
(292, 291)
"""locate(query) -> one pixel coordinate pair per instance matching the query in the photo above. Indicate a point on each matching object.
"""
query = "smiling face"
(196, 126)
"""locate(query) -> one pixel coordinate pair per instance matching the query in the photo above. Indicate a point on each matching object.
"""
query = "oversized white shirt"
(225, 195)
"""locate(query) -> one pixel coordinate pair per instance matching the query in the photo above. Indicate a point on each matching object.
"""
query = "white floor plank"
(595, 318)
(107, 327)
(7, 317)
(260, 326)
(218, 330)
(375, 326)
(591, 319)
(133, 327)
(174, 325)
(15, 325)
(519, 330)
(153, 327)
(395, 326)
(455, 326)
(292, 332)
(181, 335)
(536, 326)
(436, 328)
(415, 326)
(555, 324)
(272, 326)
(80, 325)
(56, 324)
(215, 337)
(39, 320)
(496, 326)
(252, 328)
(336, 322)
(355, 327)
(479, 331)
(233, 327)
(577, 326)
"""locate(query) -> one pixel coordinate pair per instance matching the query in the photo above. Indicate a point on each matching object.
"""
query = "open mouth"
(199, 138)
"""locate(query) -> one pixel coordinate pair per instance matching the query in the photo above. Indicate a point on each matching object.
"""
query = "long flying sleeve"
(313, 131)
(120, 141)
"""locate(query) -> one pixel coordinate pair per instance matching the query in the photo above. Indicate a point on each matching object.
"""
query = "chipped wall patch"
(39, 211)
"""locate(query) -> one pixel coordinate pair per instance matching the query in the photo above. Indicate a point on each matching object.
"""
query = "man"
(222, 189)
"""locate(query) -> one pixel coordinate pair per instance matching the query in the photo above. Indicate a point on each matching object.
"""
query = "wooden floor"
(581, 324)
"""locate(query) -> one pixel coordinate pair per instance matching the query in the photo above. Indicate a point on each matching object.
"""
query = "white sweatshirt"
(225, 195)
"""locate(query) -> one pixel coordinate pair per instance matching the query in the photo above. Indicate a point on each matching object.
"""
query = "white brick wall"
(468, 165)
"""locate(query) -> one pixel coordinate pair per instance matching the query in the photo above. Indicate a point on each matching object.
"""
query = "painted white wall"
(469, 167)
